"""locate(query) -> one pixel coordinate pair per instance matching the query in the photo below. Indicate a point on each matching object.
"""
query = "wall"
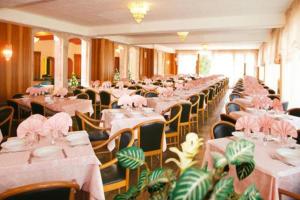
(16, 74)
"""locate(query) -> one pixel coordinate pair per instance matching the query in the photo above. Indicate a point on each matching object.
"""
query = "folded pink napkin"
(58, 124)
(61, 92)
(277, 105)
(106, 84)
(120, 84)
(247, 124)
(125, 100)
(36, 91)
(139, 101)
(283, 128)
(32, 127)
(166, 92)
(179, 86)
(265, 122)
(148, 81)
(96, 83)
(256, 101)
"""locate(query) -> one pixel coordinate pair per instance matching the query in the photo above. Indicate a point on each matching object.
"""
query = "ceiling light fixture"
(7, 52)
(182, 35)
(138, 10)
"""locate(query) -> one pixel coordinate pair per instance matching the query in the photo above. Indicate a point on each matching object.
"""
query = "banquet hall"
(149, 99)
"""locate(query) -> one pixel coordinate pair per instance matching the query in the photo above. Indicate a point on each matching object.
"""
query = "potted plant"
(191, 182)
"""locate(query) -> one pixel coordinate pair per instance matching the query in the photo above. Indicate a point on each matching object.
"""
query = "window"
(187, 63)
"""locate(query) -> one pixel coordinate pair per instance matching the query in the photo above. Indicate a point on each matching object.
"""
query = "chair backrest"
(150, 135)
(79, 121)
(132, 87)
(294, 112)
(114, 105)
(92, 95)
(105, 98)
(232, 107)
(227, 118)
(82, 96)
(211, 93)
(234, 96)
(274, 96)
(62, 190)
(222, 129)
(76, 92)
(202, 102)
(150, 94)
(17, 96)
(186, 112)
(175, 114)
(194, 99)
(15, 105)
(6, 116)
(271, 91)
(37, 108)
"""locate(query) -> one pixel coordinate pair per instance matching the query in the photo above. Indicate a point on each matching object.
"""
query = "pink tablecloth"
(81, 165)
(116, 93)
(161, 104)
(127, 121)
(60, 104)
(268, 174)
(246, 102)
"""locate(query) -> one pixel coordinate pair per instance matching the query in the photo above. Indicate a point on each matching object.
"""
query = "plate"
(72, 97)
(238, 134)
(292, 154)
(80, 142)
(46, 151)
(13, 145)
(76, 136)
(148, 110)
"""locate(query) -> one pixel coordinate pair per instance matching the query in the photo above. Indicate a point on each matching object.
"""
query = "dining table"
(118, 119)
(270, 173)
(57, 104)
(115, 92)
(71, 162)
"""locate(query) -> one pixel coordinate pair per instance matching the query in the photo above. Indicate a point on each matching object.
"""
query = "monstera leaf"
(131, 157)
(143, 180)
(223, 189)
(160, 195)
(130, 194)
(243, 170)
(219, 160)
(194, 183)
(251, 193)
(240, 151)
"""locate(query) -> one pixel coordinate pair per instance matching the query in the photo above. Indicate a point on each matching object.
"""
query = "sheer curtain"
(187, 63)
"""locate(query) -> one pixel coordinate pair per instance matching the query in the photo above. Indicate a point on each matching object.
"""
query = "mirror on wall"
(43, 57)
(74, 58)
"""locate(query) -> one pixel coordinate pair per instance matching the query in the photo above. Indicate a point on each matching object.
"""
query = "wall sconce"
(7, 52)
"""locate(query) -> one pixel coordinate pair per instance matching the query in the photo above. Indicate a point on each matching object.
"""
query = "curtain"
(187, 63)
(102, 63)
(16, 74)
(146, 63)
(170, 64)
(133, 63)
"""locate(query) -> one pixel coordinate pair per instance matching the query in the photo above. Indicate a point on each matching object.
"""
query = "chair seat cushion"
(112, 174)
(96, 135)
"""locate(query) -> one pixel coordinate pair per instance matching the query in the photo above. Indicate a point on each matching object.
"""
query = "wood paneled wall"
(102, 64)
(15, 74)
(146, 65)
(170, 63)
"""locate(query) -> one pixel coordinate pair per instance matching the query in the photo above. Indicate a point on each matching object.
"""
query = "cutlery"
(274, 157)
(64, 153)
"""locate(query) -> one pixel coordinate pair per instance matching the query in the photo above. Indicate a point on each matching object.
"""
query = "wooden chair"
(194, 99)
(76, 92)
(292, 195)
(227, 118)
(114, 105)
(6, 117)
(82, 96)
(205, 104)
(234, 96)
(37, 108)
(150, 138)
(222, 129)
(201, 106)
(97, 134)
(105, 98)
(114, 176)
(92, 96)
(274, 96)
(63, 190)
(150, 94)
(232, 107)
(294, 112)
(185, 118)
(172, 124)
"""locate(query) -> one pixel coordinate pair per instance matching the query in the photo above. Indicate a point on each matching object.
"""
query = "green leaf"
(251, 193)
(143, 180)
(240, 151)
(223, 189)
(219, 160)
(194, 183)
(130, 194)
(158, 176)
(243, 170)
(161, 195)
(131, 157)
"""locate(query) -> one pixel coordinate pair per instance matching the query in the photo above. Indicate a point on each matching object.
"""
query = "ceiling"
(209, 21)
